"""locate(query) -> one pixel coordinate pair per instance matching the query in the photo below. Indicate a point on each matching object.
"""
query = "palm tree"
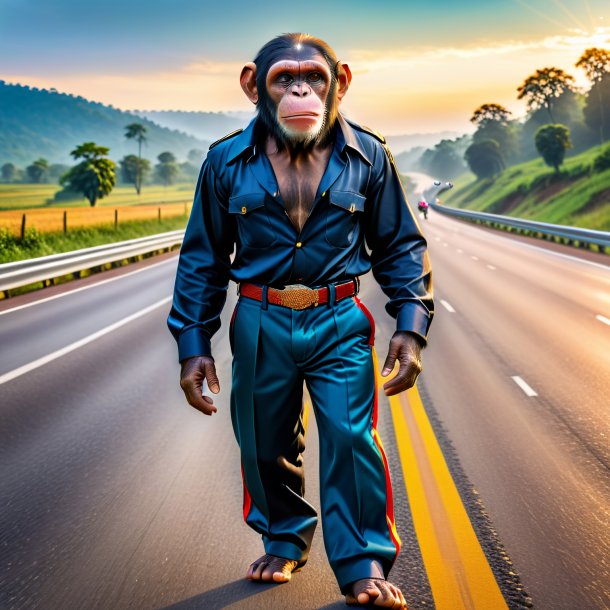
(137, 131)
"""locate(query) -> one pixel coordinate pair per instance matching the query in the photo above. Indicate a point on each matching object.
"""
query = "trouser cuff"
(357, 569)
(280, 548)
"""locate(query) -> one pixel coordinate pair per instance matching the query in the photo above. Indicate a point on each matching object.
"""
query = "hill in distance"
(214, 125)
(44, 123)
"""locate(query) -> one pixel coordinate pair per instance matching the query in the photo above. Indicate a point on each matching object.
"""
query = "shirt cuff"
(414, 318)
(193, 342)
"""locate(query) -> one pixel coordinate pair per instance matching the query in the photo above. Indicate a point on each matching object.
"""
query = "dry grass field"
(52, 219)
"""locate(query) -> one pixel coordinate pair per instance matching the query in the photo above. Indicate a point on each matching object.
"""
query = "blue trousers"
(330, 348)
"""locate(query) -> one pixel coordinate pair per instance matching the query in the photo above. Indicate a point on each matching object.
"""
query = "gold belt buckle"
(298, 296)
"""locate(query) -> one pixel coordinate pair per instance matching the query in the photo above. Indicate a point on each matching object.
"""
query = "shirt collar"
(346, 138)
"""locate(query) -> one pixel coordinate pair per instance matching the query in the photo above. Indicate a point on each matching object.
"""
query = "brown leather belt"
(297, 296)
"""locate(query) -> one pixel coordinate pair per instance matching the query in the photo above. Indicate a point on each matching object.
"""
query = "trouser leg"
(266, 411)
(356, 496)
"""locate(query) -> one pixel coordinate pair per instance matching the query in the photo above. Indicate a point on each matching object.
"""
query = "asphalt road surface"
(114, 493)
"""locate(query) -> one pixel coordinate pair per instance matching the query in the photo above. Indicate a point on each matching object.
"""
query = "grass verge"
(35, 244)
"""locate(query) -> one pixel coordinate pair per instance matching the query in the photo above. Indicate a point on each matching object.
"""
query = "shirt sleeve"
(399, 255)
(203, 271)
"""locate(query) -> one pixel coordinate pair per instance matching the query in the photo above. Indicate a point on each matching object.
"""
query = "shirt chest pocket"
(345, 210)
(253, 222)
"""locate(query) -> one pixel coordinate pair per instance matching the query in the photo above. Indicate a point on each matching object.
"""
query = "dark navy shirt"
(360, 220)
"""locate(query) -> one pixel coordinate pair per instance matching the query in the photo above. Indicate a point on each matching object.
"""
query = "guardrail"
(571, 235)
(46, 268)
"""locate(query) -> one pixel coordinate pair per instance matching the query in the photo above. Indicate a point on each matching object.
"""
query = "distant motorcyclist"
(423, 206)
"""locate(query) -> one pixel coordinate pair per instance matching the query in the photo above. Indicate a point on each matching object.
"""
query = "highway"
(116, 494)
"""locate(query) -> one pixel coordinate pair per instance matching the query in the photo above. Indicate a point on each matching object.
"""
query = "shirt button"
(275, 194)
(244, 210)
(299, 244)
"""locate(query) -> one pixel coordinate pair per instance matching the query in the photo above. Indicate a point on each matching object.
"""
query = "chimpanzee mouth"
(300, 115)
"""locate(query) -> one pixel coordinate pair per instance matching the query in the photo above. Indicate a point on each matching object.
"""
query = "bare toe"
(271, 568)
(375, 592)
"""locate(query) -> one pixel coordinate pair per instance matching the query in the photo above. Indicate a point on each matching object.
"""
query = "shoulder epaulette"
(368, 130)
(229, 135)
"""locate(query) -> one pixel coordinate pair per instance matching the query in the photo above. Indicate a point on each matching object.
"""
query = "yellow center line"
(458, 571)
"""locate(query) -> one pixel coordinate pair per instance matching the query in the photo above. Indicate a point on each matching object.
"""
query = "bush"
(602, 161)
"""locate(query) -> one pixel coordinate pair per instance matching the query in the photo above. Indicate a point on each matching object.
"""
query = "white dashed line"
(474, 258)
(603, 319)
(447, 306)
(491, 267)
(526, 388)
(26, 368)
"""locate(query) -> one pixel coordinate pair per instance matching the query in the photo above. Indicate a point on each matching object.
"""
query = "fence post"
(116, 218)
(65, 221)
(23, 227)
(159, 214)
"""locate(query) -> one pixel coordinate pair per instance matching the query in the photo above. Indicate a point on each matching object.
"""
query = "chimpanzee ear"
(248, 81)
(344, 78)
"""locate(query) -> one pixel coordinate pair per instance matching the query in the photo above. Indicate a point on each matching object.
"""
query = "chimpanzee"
(307, 201)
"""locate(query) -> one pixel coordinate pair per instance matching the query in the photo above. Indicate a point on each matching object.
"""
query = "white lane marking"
(526, 388)
(491, 267)
(26, 368)
(447, 306)
(63, 294)
(474, 258)
(603, 319)
(460, 251)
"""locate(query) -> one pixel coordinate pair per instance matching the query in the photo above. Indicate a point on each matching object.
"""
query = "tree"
(57, 170)
(9, 172)
(484, 158)
(195, 156)
(137, 132)
(37, 171)
(596, 64)
(541, 88)
(552, 141)
(134, 169)
(95, 176)
(494, 123)
(167, 169)
(487, 113)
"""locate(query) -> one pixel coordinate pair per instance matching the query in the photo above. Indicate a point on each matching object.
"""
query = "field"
(577, 196)
(21, 196)
(50, 220)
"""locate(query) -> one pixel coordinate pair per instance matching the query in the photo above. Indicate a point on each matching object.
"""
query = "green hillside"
(38, 123)
(578, 196)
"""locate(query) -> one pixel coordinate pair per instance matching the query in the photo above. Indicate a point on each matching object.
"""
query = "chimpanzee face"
(298, 90)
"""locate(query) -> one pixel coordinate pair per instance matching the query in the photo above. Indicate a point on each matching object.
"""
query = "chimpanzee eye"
(314, 77)
(284, 79)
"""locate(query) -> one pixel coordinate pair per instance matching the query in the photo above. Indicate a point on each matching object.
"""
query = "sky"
(418, 66)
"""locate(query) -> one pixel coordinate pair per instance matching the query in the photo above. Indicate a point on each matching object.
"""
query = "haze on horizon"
(417, 67)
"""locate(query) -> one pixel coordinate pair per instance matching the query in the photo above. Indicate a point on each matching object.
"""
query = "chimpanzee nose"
(301, 89)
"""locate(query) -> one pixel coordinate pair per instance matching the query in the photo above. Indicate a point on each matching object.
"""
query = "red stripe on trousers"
(388, 482)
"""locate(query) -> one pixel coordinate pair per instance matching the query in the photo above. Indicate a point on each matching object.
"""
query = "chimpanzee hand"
(406, 348)
(194, 371)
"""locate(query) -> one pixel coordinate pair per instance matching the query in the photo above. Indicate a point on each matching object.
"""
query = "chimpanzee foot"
(270, 568)
(375, 592)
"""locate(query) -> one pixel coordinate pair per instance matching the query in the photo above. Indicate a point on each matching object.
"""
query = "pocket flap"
(352, 202)
(242, 204)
